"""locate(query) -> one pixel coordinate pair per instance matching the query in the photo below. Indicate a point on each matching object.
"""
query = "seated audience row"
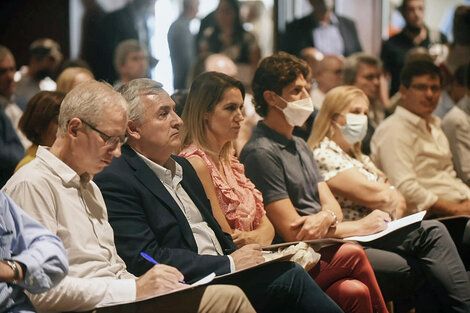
(212, 116)
(298, 202)
(192, 240)
(55, 188)
(171, 219)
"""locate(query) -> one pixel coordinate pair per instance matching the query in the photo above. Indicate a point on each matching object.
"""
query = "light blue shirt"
(328, 39)
(24, 240)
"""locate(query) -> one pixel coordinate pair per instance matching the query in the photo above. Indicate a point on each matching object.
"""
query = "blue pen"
(152, 260)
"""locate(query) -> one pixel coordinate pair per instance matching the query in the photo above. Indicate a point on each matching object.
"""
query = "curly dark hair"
(274, 73)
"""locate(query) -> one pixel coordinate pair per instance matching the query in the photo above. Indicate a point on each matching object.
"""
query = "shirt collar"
(333, 20)
(57, 166)
(415, 119)
(163, 173)
(275, 136)
(331, 144)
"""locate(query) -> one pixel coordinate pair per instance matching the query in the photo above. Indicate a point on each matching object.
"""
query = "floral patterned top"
(331, 160)
(240, 201)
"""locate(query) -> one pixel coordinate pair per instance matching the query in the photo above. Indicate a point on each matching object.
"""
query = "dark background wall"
(23, 21)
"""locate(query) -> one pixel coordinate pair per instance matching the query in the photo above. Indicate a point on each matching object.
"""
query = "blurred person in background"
(12, 142)
(71, 77)
(39, 122)
(414, 34)
(452, 93)
(182, 44)
(128, 22)
(131, 60)
(323, 30)
(39, 74)
(456, 126)
(328, 74)
(227, 36)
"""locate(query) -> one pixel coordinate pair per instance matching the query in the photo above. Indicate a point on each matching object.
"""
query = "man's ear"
(73, 126)
(270, 97)
(121, 69)
(133, 130)
(403, 91)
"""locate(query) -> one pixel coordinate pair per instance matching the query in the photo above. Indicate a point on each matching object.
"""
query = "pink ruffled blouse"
(238, 197)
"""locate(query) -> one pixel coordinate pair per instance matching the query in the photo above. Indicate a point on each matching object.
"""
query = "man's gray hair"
(124, 48)
(86, 101)
(131, 91)
(4, 51)
(352, 63)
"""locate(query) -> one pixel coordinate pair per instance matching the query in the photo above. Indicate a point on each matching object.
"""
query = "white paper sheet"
(204, 280)
(392, 226)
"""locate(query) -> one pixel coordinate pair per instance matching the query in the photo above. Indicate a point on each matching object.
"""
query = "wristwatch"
(14, 266)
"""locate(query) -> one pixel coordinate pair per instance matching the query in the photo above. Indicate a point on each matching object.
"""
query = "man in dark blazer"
(113, 28)
(157, 205)
(341, 35)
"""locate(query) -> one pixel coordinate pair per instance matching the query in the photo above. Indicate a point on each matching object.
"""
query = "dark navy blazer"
(299, 35)
(146, 218)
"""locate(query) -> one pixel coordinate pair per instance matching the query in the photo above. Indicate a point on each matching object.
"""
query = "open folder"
(119, 306)
(391, 226)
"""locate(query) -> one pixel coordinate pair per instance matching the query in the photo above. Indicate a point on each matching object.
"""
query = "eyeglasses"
(424, 87)
(110, 141)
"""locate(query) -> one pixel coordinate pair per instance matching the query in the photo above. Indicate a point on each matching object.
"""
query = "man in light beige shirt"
(412, 150)
(56, 190)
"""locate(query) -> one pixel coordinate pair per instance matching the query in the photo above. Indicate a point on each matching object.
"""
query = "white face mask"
(297, 112)
(355, 129)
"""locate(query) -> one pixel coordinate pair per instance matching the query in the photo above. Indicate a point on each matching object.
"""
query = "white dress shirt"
(416, 161)
(73, 208)
(456, 126)
(206, 240)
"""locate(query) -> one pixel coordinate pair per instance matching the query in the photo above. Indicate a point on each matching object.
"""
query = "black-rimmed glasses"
(110, 141)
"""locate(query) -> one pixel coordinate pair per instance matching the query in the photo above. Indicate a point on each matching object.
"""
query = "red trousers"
(345, 274)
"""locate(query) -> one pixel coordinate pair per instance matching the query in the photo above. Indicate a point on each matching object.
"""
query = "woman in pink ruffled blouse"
(236, 203)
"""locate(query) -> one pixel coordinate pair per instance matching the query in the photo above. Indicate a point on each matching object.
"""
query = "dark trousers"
(421, 261)
(281, 287)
